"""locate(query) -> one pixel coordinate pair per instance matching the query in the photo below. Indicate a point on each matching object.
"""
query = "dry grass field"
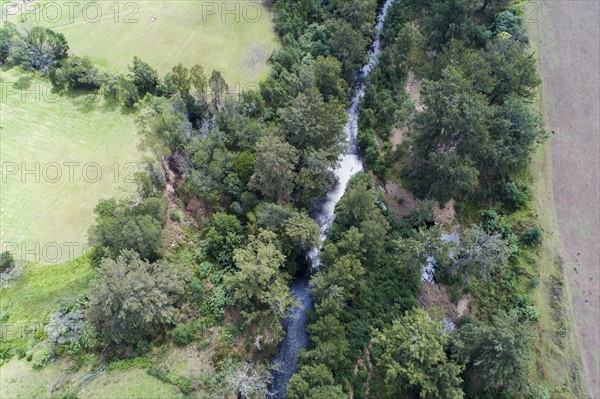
(568, 46)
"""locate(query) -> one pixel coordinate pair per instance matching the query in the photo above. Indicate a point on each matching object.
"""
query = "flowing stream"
(296, 337)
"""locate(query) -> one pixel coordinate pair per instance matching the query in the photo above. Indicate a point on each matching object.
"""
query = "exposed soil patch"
(462, 308)
(413, 88)
(446, 214)
(398, 134)
(570, 67)
(400, 200)
(434, 296)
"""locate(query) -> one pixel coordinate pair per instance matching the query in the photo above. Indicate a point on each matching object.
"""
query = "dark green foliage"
(222, 236)
(366, 278)
(513, 196)
(144, 77)
(6, 261)
(489, 221)
(447, 20)
(274, 170)
(7, 31)
(135, 226)
(314, 382)
(184, 385)
(498, 352)
(533, 236)
(132, 298)
(76, 73)
(508, 21)
(183, 334)
(413, 358)
(36, 48)
(513, 68)
(258, 282)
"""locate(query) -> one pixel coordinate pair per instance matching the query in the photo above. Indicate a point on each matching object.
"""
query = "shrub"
(534, 282)
(176, 216)
(489, 220)
(183, 334)
(6, 261)
(41, 357)
(533, 236)
(184, 385)
(4, 317)
(514, 197)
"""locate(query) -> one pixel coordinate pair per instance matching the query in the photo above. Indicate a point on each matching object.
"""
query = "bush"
(514, 197)
(176, 216)
(533, 236)
(534, 282)
(41, 357)
(4, 317)
(6, 261)
(183, 334)
(184, 385)
(489, 220)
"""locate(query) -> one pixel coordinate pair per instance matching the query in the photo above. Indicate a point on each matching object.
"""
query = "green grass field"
(35, 295)
(83, 140)
(234, 37)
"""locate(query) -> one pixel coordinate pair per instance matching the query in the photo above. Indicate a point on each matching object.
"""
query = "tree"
(37, 48)
(7, 31)
(303, 232)
(347, 45)
(314, 382)
(499, 352)
(327, 72)
(274, 171)
(479, 255)
(310, 124)
(447, 20)
(122, 226)
(144, 77)
(345, 273)
(449, 175)
(76, 73)
(413, 357)
(164, 129)
(455, 118)
(516, 129)
(452, 139)
(222, 236)
(250, 382)
(132, 298)
(258, 279)
(218, 88)
(513, 68)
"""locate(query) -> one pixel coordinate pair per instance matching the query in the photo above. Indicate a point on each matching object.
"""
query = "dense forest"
(219, 225)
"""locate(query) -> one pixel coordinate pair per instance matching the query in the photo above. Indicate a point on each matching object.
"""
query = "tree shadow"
(23, 83)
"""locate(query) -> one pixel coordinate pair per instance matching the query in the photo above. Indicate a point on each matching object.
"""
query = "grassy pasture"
(234, 36)
(90, 145)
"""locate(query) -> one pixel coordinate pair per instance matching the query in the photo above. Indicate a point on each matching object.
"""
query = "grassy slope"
(51, 129)
(558, 362)
(36, 294)
(19, 380)
(190, 32)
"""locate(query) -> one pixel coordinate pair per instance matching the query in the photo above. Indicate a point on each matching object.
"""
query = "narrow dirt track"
(568, 45)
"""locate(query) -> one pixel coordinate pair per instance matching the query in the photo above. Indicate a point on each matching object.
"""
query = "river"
(296, 337)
